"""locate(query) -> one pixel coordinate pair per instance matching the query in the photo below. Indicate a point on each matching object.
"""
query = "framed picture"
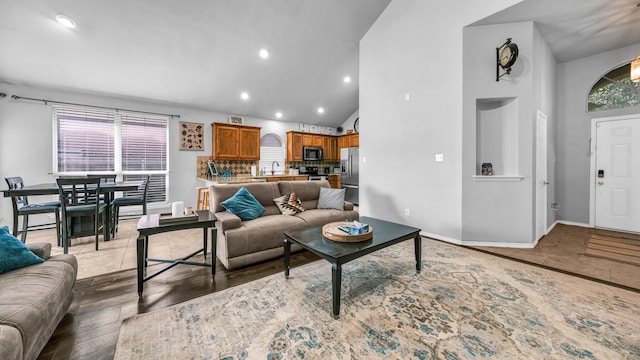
(235, 119)
(191, 136)
(212, 168)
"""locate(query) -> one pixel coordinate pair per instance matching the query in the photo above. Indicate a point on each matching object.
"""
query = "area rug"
(463, 305)
(615, 248)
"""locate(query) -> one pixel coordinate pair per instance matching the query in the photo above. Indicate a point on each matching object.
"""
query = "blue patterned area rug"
(463, 305)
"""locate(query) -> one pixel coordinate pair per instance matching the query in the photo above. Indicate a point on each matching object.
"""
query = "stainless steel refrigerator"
(350, 173)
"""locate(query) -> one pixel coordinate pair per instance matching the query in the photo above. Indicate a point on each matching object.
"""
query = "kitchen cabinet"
(312, 140)
(330, 147)
(294, 146)
(351, 140)
(287, 178)
(235, 142)
(297, 140)
(334, 181)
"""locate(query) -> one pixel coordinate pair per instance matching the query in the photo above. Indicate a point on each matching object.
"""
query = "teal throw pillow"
(13, 253)
(331, 198)
(244, 205)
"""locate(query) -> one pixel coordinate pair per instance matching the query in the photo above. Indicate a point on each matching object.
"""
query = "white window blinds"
(85, 140)
(130, 145)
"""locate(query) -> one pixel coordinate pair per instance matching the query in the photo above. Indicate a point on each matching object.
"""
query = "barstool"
(203, 198)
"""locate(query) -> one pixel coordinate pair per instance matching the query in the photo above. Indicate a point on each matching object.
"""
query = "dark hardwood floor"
(90, 328)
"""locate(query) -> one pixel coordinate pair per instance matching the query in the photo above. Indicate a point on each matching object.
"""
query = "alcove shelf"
(498, 178)
(497, 127)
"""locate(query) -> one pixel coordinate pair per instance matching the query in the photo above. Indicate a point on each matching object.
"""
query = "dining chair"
(129, 201)
(21, 207)
(83, 213)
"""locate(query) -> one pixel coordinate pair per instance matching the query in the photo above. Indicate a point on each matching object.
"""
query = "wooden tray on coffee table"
(331, 232)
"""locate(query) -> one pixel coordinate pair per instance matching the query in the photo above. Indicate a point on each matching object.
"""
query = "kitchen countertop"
(249, 179)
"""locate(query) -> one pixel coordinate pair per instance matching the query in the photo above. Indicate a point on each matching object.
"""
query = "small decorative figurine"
(487, 169)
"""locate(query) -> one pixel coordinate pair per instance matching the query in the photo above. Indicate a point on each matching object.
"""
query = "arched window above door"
(614, 90)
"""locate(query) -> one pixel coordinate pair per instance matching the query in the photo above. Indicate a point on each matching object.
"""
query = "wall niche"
(497, 138)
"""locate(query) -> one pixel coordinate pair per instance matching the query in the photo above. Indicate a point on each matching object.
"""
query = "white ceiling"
(577, 28)
(197, 53)
(204, 53)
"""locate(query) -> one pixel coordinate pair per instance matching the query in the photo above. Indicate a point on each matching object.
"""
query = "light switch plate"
(439, 157)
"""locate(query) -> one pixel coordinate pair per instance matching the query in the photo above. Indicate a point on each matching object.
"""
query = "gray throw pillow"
(331, 199)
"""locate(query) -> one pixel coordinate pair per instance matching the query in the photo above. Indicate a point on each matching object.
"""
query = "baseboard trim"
(479, 243)
(564, 222)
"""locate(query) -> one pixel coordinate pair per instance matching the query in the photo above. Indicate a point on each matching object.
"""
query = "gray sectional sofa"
(33, 301)
(241, 243)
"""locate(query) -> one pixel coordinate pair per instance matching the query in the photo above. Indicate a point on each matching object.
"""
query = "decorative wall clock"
(506, 56)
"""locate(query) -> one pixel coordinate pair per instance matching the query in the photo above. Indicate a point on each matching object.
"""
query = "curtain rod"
(46, 102)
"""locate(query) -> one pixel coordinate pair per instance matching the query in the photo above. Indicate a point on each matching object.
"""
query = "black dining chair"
(129, 201)
(22, 207)
(83, 213)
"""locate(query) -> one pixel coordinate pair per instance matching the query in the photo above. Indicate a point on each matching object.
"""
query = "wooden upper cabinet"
(317, 140)
(312, 140)
(330, 148)
(354, 140)
(294, 146)
(235, 142)
(351, 140)
(249, 143)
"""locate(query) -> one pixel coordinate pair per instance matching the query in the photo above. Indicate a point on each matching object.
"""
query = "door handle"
(600, 182)
(545, 183)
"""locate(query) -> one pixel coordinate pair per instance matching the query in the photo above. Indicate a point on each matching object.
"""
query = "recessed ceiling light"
(347, 79)
(320, 110)
(264, 53)
(279, 115)
(66, 21)
(244, 96)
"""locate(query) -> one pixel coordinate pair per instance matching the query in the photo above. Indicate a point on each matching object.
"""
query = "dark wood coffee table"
(150, 225)
(385, 233)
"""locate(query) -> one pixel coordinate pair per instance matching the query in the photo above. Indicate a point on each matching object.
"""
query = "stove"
(308, 170)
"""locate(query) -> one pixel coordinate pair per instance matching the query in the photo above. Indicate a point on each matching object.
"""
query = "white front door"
(541, 174)
(617, 177)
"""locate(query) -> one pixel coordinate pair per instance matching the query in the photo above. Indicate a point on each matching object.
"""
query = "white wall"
(348, 124)
(491, 205)
(415, 49)
(545, 96)
(575, 79)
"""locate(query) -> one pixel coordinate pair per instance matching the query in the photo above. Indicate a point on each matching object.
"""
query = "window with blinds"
(130, 145)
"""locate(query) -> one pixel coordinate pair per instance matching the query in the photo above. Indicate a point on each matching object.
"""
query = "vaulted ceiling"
(204, 53)
(197, 53)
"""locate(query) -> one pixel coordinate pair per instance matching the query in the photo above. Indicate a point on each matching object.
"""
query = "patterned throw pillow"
(289, 204)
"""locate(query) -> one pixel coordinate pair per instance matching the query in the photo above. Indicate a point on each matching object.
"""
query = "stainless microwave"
(312, 153)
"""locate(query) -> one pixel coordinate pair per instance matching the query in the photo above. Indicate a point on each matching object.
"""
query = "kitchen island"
(245, 179)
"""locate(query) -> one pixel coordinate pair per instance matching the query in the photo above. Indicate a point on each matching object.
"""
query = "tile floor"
(562, 249)
(120, 253)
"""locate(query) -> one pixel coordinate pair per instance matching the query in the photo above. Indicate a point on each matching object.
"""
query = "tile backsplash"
(243, 167)
(237, 167)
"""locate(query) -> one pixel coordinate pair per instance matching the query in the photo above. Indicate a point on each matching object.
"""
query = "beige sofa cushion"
(35, 298)
(10, 343)
(263, 192)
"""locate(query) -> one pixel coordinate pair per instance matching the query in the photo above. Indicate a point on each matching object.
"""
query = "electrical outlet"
(407, 97)
(439, 157)
(407, 212)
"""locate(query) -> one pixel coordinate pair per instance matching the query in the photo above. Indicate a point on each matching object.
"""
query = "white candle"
(177, 209)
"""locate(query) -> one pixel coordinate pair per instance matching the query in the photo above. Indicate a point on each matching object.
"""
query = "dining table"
(107, 189)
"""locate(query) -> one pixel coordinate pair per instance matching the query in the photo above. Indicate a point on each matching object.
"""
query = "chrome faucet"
(272, 170)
